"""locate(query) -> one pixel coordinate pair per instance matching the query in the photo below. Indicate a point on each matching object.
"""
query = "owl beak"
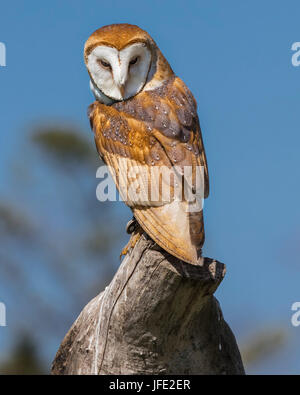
(122, 90)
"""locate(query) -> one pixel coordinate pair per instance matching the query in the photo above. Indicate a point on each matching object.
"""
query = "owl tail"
(175, 229)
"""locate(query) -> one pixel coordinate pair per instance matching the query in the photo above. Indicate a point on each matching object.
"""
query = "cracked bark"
(157, 316)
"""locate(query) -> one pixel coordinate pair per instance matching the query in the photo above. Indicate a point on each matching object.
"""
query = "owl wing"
(137, 138)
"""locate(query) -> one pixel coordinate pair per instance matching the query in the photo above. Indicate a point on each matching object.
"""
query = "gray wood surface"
(157, 316)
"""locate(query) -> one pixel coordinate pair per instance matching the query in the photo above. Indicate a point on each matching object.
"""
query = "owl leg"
(136, 232)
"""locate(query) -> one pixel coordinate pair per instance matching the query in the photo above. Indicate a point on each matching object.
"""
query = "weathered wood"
(157, 316)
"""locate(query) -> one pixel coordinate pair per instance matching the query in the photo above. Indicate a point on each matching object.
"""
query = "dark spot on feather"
(184, 116)
(185, 134)
(161, 121)
(173, 129)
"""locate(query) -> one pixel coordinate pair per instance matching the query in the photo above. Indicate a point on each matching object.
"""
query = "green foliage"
(262, 345)
(13, 222)
(65, 145)
(23, 359)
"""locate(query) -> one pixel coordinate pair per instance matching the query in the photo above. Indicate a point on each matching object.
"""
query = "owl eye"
(104, 64)
(134, 60)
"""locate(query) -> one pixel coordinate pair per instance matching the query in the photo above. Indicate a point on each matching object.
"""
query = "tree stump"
(158, 316)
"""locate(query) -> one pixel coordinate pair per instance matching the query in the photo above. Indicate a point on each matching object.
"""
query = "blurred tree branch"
(262, 345)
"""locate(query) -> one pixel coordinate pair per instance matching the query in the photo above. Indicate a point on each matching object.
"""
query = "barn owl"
(145, 117)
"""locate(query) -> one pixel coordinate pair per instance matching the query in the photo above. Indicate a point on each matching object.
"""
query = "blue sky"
(236, 58)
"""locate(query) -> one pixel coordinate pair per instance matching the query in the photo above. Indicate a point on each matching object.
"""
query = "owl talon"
(124, 251)
(131, 226)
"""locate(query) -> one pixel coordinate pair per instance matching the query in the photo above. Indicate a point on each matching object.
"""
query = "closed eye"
(104, 64)
(133, 61)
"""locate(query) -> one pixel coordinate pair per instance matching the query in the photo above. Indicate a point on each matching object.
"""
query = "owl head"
(122, 60)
